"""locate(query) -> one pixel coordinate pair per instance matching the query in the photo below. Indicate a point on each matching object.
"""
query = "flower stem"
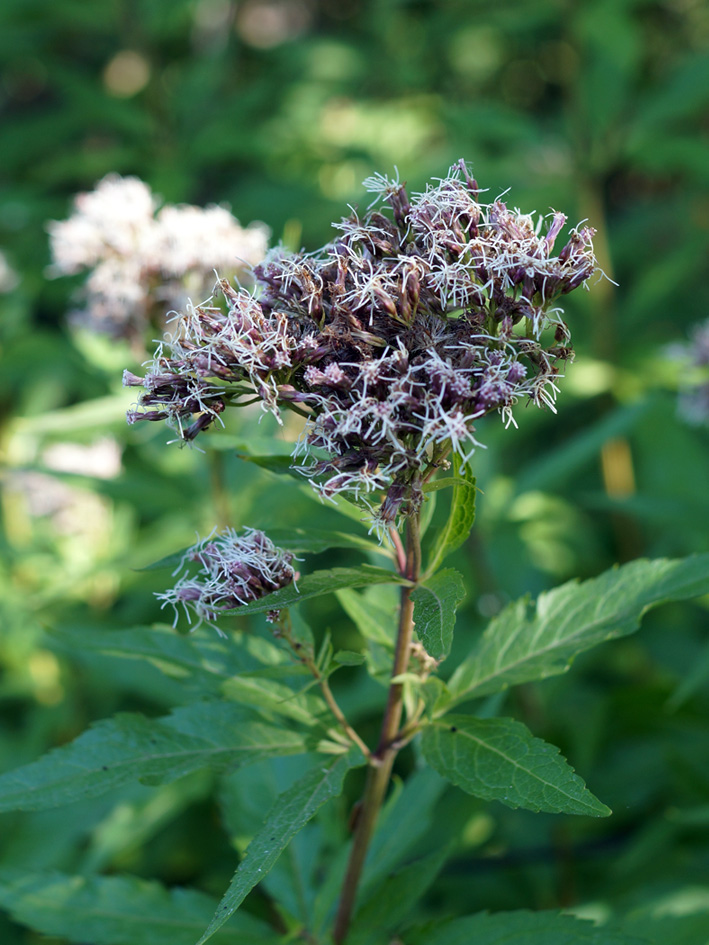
(382, 761)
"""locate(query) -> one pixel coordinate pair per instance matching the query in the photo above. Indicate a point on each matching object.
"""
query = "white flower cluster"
(144, 261)
(233, 570)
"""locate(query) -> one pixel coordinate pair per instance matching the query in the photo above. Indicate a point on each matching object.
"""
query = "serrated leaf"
(500, 760)
(460, 519)
(131, 747)
(291, 812)
(520, 928)
(372, 621)
(319, 583)
(120, 910)
(521, 645)
(436, 600)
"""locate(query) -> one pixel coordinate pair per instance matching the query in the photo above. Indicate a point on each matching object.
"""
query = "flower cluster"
(693, 403)
(144, 260)
(392, 340)
(233, 570)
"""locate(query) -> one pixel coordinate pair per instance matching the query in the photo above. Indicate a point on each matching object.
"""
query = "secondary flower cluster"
(233, 570)
(392, 340)
(143, 262)
(693, 403)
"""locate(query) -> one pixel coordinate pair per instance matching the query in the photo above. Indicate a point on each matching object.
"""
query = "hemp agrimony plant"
(426, 313)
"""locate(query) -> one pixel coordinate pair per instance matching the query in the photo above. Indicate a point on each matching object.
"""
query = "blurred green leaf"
(120, 910)
(373, 622)
(522, 928)
(386, 908)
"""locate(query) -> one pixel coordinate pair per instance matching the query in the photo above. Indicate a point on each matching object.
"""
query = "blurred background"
(279, 109)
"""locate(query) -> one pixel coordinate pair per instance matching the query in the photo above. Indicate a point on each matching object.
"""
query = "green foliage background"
(281, 108)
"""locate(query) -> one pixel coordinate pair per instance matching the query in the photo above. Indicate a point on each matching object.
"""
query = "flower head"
(232, 570)
(394, 339)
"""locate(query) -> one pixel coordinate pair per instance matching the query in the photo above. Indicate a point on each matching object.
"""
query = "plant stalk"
(382, 761)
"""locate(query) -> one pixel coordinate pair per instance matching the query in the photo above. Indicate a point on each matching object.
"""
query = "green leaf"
(405, 818)
(436, 600)
(338, 503)
(500, 760)
(316, 540)
(461, 518)
(202, 660)
(281, 465)
(171, 561)
(120, 910)
(662, 929)
(319, 583)
(349, 658)
(131, 747)
(291, 812)
(695, 679)
(520, 645)
(437, 484)
(372, 621)
(274, 698)
(393, 899)
(520, 928)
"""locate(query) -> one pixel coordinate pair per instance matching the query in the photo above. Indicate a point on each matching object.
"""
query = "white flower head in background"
(144, 261)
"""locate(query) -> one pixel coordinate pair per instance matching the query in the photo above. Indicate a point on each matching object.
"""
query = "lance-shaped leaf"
(271, 697)
(436, 600)
(500, 760)
(319, 583)
(291, 812)
(131, 747)
(522, 644)
(520, 928)
(120, 910)
(315, 540)
(372, 621)
(202, 661)
(390, 904)
(461, 518)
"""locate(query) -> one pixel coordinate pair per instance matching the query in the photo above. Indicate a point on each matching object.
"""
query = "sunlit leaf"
(524, 643)
(131, 747)
(436, 600)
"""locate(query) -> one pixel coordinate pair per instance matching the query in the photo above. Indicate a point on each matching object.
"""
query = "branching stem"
(382, 761)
